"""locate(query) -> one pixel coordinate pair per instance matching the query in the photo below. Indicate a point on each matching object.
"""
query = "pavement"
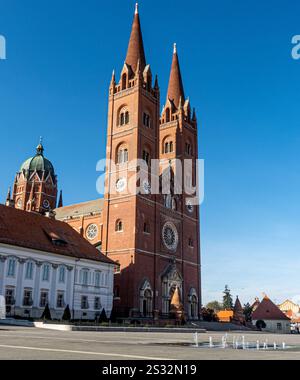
(19, 343)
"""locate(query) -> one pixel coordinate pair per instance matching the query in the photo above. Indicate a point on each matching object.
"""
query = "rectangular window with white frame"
(85, 277)
(60, 301)
(10, 296)
(98, 279)
(84, 303)
(29, 270)
(27, 299)
(11, 269)
(44, 297)
(46, 272)
(62, 275)
(97, 304)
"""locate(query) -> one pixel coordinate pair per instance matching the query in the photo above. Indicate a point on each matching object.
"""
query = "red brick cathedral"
(154, 238)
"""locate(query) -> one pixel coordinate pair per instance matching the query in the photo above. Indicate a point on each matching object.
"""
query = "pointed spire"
(136, 8)
(136, 50)
(180, 105)
(32, 192)
(138, 67)
(175, 302)
(175, 89)
(9, 200)
(194, 118)
(8, 197)
(40, 148)
(113, 77)
(156, 85)
(60, 202)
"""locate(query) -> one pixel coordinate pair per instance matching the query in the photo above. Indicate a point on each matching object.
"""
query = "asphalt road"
(30, 343)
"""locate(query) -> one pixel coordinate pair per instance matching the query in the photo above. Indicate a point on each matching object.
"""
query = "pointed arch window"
(146, 228)
(168, 147)
(124, 117)
(168, 115)
(146, 156)
(188, 149)
(171, 147)
(146, 120)
(122, 155)
(124, 81)
(119, 226)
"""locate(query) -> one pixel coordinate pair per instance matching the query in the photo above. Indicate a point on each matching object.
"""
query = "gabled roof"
(238, 309)
(256, 303)
(80, 209)
(267, 310)
(33, 231)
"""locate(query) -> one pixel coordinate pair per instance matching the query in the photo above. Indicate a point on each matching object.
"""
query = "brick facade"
(149, 271)
(130, 226)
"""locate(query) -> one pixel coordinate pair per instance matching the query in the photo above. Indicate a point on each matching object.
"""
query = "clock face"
(46, 204)
(189, 207)
(170, 236)
(92, 232)
(121, 185)
(146, 187)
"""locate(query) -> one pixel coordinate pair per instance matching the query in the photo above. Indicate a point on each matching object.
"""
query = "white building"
(44, 261)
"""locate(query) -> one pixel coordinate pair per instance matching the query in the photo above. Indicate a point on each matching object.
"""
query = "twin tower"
(155, 238)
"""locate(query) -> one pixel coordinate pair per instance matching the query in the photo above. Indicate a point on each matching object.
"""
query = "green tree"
(214, 305)
(113, 316)
(67, 314)
(227, 299)
(208, 315)
(46, 316)
(248, 312)
(261, 324)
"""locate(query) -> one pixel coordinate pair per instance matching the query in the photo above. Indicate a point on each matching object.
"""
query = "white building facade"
(31, 279)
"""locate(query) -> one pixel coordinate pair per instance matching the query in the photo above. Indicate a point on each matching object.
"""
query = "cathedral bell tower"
(153, 236)
(35, 186)
(133, 134)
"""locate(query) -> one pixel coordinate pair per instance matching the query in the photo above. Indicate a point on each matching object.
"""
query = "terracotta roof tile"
(175, 89)
(136, 50)
(33, 231)
(269, 311)
(80, 209)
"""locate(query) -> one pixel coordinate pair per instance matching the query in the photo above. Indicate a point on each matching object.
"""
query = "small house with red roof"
(268, 317)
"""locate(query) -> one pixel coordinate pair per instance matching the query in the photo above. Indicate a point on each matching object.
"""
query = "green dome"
(38, 163)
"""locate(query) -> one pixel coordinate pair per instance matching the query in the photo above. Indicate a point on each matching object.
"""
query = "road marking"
(74, 339)
(83, 352)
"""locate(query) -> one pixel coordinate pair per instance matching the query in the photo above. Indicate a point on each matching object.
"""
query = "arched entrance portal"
(193, 305)
(146, 300)
(171, 280)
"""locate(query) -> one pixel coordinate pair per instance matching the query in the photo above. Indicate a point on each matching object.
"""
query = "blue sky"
(238, 71)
